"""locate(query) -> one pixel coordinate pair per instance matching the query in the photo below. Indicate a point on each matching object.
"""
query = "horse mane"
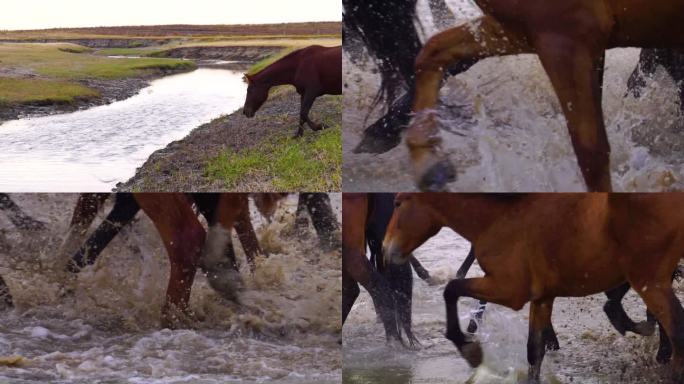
(389, 33)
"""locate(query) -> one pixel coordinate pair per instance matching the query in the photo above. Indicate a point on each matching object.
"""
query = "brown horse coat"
(534, 248)
(314, 71)
(570, 38)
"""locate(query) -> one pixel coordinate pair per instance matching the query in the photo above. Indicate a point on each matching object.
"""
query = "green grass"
(312, 163)
(57, 67)
(59, 61)
(36, 91)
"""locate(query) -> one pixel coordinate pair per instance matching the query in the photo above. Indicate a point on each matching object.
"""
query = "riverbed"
(94, 149)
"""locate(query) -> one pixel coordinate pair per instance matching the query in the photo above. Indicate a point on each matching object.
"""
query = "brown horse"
(314, 71)
(183, 237)
(534, 248)
(571, 38)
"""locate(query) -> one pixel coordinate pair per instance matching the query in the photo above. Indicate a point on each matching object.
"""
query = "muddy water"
(286, 328)
(591, 351)
(94, 149)
(504, 130)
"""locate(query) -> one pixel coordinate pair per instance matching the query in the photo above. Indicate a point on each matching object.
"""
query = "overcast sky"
(39, 14)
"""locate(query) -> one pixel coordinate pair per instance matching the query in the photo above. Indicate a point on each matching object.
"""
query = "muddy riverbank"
(181, 166)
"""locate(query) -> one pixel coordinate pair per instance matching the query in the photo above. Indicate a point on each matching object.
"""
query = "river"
(92, 150)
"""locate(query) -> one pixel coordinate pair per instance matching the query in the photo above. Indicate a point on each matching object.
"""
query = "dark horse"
(389, 34)
(314, 71)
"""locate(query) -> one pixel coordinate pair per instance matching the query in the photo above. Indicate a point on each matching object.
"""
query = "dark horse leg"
(308, 98)
(550, 338)
(423, 273)
(672, 60)
(20, 219)
(623, 324)
(399, 277)
(358, 268)
(5, 296)
(125, 209)
(322, 217)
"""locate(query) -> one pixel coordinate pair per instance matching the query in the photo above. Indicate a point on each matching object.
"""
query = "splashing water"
(504, 130)
(286, 327)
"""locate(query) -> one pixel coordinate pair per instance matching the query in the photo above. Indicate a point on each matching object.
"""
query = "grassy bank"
(50, 73)
(236, 153)
(70, 62)
(313, 163)
(41, 92)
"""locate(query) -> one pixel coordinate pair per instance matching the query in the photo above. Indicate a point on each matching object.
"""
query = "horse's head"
(257, 93)
(412, 224)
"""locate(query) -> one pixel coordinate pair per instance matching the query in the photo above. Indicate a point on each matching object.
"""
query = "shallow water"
(591, 350)
(286, 328)
(504, 130)
(94, 149)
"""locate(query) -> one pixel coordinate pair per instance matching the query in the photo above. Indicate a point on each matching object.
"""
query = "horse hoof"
(644, 328)
(472, 353)
(437, 177)
(377, 145)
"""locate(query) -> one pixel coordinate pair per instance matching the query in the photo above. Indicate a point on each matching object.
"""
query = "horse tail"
(389, 32)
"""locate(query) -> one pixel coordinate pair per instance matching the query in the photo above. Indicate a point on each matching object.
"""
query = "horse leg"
(183, 238)
(248, 238)
(665, 306)
(308, 98)
(478, 39)
(420, 270)
(385, 133)
(499, 291)
(87, 207)
(322, 217)
(619, 319)
(401, 277)
(20, 219)
(207, 205)
(125, 209)
(350, 292)
(5, 296)
(221, 275)
(358, 267)
(664, 347)
(575, 71)
(540, 327)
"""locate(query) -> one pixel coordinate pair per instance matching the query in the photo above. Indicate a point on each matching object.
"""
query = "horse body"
(314, 71)
(538, 247)
(570, 38)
